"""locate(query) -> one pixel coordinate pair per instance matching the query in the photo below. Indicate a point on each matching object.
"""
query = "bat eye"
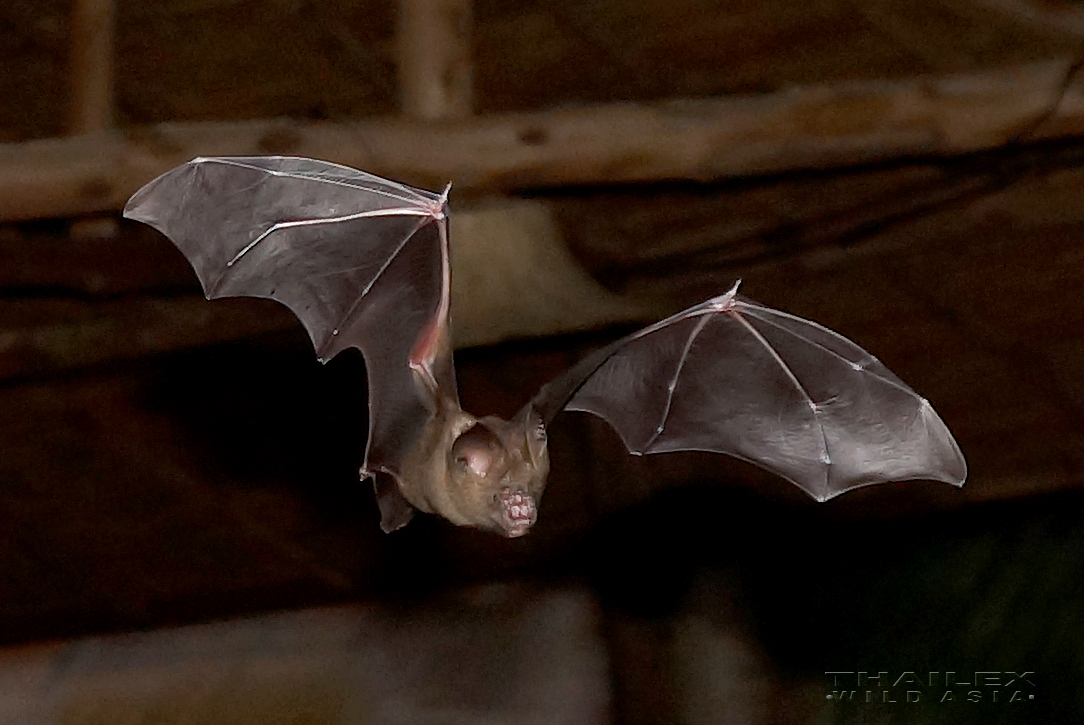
(477, 450)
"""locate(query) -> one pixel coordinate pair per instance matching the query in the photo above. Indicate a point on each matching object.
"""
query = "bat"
(364, 262)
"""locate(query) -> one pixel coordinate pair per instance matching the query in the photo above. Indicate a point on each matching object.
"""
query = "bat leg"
(395, 511)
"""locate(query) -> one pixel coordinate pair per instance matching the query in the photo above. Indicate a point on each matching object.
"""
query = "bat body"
(364, 263)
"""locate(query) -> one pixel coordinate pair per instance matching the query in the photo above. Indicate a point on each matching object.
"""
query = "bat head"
(498, 470)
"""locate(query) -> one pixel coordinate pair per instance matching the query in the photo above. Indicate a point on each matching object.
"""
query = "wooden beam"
(813, 127)
(91, 109)
(96, 333)
(91, 66)
(1058, 20)
(434, 58)
(514, 278)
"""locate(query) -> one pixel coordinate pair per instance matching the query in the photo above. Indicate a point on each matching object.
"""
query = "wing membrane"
(362, 261)
(733, 376)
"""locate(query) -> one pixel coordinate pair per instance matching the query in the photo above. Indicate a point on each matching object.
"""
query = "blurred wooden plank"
(91, 66)
(811, 127)
(627, 236)
(40, 259)
(348, 665)
(73, 334)
(1054, 19)
(434, 58)
(514, 278)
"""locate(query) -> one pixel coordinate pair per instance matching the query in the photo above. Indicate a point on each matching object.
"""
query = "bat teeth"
(518, 512)
(518, 507)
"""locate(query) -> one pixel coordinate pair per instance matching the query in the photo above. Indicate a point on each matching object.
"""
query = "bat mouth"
(518, 512)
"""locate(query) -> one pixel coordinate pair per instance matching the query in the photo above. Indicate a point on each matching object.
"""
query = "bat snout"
(518, 512)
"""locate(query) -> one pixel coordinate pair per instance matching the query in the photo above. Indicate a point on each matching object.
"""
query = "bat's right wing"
(361, 260)
(733, 376)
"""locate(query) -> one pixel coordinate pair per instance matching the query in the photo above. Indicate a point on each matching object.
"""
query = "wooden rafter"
(434, 58)
(91, 66)
(699, 140)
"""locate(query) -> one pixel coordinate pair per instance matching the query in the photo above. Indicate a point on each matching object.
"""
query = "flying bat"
(363, 262)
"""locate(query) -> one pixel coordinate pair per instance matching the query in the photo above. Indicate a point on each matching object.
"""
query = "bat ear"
(477, 449)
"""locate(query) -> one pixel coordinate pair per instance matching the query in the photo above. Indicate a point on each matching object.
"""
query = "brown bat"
(363, 262)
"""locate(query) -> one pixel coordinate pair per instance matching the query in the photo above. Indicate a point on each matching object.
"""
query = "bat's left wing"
(361, 260)
(733, 376)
